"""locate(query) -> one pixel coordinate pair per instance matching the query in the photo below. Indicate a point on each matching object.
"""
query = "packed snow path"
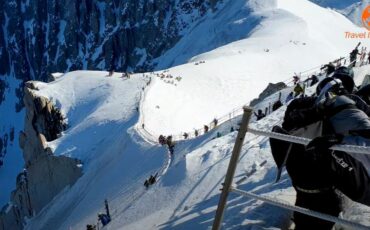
(236, 113)
(117, 160)
(152, 136)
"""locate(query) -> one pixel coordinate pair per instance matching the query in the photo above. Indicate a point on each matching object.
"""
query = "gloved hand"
(317, 156)
(323, 143)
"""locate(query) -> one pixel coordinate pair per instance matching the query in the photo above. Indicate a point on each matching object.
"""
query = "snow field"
(232, 69)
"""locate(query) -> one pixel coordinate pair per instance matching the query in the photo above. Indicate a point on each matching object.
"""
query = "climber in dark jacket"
(314, 80)
(361, 96)
(215, 122)
(289, 97)
(330, 68)
(104, 219)
(364, 93)
(276, 105)
(349, 126)
(90, 227)
(259, 115)
(315, 170)
(345, 75)
(353, 56)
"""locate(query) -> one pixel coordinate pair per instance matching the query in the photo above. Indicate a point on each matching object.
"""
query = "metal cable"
(147, 134)
(305, 141)
(301, 210)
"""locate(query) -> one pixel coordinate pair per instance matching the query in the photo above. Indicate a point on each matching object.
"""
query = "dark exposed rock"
(11, 135)
(3, 144)
(270, 89)
(2, 89)
(1, 147)
(45, 175)
(44, 122)
(19, 93)
(48, 120)
(31, 85)
(42, 37)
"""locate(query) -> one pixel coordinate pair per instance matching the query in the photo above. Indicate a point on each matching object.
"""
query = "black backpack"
(364, 93)
(303, 119)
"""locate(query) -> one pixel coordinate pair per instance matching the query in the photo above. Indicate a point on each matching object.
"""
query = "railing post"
(232, 167)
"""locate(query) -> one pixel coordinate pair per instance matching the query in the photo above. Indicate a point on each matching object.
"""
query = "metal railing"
(247, 112)
(147, 134)
(228, 183)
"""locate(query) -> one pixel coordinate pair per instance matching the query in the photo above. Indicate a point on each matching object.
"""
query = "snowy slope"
(233, 41)
(292, 30)
(117, 161)
(103, 122)
(101, 112)
(94, 105)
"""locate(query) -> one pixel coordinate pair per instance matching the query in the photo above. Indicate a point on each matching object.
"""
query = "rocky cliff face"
(45, 175)
(39, 37)
(270, 89)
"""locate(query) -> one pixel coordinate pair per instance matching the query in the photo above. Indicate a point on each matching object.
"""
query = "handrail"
(226, 117)
(304, 141)
(284, 205)
(227, 188)
(235, 157)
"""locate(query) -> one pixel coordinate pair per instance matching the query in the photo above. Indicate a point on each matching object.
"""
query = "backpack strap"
(331, 112)
(327, 127)
(360, 103)
(314, 191)
(365, 133)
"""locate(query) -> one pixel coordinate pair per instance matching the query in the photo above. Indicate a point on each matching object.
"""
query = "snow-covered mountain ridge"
(40, 37)
(253, 43)
(117, 161)
(352, 9)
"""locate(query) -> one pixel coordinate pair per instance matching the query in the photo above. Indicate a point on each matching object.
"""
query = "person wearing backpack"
(360, 96)
(364, 93)
(330, 68)
(277, 104)
(317, 173)
(259, 115)
(298, 89)
(104, 218)
(346, 75)
(353, 55)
